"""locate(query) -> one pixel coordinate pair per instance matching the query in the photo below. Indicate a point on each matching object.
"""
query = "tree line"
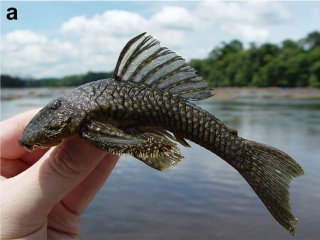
(67, 81)
(289, 64)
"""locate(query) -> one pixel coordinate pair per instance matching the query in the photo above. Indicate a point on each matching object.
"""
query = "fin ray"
(106, 135)
(144, 61)
(166, 153)
(269, 172)
(154, 148)
(164, 133)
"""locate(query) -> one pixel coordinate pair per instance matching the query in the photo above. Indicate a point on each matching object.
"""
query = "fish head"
(49, 126)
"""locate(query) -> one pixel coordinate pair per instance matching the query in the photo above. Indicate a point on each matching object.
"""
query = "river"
(203, 197)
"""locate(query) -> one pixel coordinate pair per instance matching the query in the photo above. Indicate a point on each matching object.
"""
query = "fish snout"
(25, 144)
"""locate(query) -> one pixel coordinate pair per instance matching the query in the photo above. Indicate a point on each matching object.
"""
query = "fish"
(146, 108)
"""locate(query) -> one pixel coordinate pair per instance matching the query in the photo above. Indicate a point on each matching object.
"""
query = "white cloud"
(24, 51)
(247, 31)
(111, 29)
(249, 12)
(24, 36)
(249, 21)
(177, 18)
(94, 42)
(101, 37)
(114, 22)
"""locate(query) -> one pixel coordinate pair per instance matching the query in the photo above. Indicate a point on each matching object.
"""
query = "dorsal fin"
(144, 61)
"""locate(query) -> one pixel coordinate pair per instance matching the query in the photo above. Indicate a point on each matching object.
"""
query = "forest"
(289, 64)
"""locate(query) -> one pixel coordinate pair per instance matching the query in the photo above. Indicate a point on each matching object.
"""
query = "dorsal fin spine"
(149, 59)
(191, 91)
(133, 56)
(123, 52)
(169, 74)
(144, 61)
(153, 71)
(187, 81)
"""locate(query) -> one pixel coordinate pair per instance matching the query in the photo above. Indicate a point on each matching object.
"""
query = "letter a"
(12, 14)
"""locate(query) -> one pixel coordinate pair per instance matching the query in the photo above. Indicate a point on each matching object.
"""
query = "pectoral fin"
(163, 133)
(108, 137)
(153, 149)
(181, 140)
(158, 151)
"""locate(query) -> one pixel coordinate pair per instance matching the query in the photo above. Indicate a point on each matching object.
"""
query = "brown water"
(203, 197)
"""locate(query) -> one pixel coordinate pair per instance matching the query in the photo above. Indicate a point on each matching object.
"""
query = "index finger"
(11, 130)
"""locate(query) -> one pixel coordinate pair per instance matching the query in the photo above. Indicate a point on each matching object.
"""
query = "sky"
(54, 39)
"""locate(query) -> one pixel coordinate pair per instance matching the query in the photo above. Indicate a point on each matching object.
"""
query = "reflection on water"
(203, 197)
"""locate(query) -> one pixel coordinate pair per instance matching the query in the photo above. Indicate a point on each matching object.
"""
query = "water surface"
(203, 197)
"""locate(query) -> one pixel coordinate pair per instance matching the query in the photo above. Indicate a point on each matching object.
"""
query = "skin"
(44, 192)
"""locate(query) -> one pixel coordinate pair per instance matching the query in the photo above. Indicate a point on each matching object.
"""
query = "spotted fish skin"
(129, 105)
(145, 109)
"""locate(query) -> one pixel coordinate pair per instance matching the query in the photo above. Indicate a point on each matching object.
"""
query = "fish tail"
(269, 172)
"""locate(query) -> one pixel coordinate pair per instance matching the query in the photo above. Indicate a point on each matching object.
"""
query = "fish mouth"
(28, 147)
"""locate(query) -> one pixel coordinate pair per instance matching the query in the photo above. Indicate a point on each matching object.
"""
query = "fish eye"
(55, 104)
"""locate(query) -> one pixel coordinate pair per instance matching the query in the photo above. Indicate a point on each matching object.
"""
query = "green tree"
(289, 64)
(11, 82)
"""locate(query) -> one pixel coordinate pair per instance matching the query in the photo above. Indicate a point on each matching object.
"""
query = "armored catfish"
(146, 108)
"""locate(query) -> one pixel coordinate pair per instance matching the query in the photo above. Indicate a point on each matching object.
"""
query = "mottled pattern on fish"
(145, 109)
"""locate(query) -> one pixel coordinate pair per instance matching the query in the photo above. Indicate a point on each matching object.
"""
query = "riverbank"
(276, 93)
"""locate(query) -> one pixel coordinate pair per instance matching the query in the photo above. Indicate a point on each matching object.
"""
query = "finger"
(12, 167)
(57, 173)
(11, 130)
(31, 157)
(79, 198)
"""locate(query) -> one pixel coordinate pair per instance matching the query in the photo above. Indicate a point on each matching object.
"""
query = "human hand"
(43, 193)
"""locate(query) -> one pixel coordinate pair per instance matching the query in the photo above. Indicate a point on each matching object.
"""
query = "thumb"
(58, 172)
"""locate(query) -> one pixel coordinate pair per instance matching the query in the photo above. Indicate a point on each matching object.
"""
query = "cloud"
(247, 31)
(25, 52)
(249, 21)
(177, 18)
(117, 23)
(248, 12)
(93, 43)
(102, 36)
(24, 36)
(111, 29)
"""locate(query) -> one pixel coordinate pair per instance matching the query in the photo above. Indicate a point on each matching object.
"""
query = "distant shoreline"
(221, 93)
(270, 92)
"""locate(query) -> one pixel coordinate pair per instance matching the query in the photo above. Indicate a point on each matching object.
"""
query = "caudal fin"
(269, 172)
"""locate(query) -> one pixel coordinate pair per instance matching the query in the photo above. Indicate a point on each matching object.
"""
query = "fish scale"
(145, 109)
(221, 135)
